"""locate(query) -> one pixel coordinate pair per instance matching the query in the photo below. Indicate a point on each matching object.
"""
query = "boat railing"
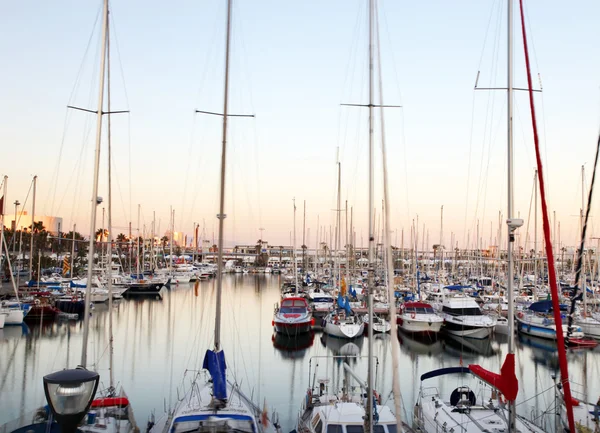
(430, 391)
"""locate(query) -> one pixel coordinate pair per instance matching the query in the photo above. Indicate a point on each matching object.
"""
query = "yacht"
(419, 318)
(463, 317)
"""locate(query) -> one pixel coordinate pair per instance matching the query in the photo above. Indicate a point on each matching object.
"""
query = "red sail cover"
(506, 382)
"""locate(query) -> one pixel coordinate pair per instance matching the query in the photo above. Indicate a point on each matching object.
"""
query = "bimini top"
(545, 306)
(444, 371)
(417, 305)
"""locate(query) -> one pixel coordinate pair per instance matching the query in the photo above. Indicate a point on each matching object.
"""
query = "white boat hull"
(2, 319)
(13, 317)
(344, 330)
(589, 326)
(418, 326)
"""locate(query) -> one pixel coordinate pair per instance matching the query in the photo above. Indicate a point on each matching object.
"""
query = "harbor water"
(159, 341)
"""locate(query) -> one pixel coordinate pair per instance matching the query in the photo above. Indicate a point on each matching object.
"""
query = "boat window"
(355, 429)
(337, 428)
(319, 427)
(329, 300)
(470, 311)
(392, 428)
(212, 424)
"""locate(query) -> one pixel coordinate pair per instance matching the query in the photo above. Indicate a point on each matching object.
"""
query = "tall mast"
(138, 242)
(171, 241)
(338, 232)
(110, 234)
(32, 225)
(222, 215)
(294, 253)
(2, 207)
(72, 252)
(512, 415)
(535, 231)
(371, 285)
(94, 204)
(583, 277)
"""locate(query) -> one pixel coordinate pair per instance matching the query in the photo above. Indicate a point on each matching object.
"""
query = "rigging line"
(403, 133)
(66, 122)
(549, 250)
(532, 40)
(576, 295)
(489, 107)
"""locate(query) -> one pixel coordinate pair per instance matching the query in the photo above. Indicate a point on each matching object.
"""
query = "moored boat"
(419, 318)
(293, 317)
(463, 317)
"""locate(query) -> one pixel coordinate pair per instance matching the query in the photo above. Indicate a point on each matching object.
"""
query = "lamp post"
(69, 394)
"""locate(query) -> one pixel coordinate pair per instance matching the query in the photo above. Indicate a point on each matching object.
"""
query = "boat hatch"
(213, 423)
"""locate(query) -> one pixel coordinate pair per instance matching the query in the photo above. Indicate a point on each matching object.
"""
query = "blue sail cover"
(457, 287)
(545, 306)
(340, 301)
(214, 362)
(347, 306)
(78, 286)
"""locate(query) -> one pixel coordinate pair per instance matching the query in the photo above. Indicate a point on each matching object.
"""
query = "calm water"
(156, 341)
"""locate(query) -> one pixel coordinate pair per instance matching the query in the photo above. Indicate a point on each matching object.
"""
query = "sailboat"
(495, 410)
(111, 411)
(358, 408)
(213, 403)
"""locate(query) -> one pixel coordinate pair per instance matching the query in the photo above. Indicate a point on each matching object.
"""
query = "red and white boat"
(419, 318)
(293, 317)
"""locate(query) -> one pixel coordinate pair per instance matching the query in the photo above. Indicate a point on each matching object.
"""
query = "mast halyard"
(221, 216)
(295, 264)
(95, 200)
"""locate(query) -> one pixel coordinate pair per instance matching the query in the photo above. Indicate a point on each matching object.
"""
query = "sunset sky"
(293, 64)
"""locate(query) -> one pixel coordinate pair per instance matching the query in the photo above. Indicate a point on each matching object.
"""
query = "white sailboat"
(213, 403)
(464, 410)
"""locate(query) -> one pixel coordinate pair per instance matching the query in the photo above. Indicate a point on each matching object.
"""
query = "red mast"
(562, 355)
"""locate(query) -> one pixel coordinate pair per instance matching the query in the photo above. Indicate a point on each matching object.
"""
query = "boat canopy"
(457, 287)
(545, 306)
(417, 305)
(444, 371)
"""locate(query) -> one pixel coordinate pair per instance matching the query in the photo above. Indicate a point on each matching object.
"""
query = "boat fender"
(377, 397)
(272, 323)
(413, 315)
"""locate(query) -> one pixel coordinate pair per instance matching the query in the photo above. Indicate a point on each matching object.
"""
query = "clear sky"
(293, 63)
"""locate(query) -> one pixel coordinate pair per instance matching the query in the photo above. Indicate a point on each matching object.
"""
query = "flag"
(343, 289)
(66, 266)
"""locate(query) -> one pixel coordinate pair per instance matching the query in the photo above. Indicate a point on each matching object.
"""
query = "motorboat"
(419, 318)
(463, 317)
(293, 317)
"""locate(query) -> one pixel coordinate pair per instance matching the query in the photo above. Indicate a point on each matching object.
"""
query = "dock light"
(70, 394)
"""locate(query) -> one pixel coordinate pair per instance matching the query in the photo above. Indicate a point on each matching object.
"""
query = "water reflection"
(157, 340)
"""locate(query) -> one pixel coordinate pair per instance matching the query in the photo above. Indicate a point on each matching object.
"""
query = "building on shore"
(52, 224)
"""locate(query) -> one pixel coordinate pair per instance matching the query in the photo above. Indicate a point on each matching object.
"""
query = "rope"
(576, 293)
(562, 357)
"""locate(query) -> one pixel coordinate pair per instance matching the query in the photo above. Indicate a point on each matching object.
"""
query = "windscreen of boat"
(469, 311)
(292, 306)
(213, 424)
(420, 310)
